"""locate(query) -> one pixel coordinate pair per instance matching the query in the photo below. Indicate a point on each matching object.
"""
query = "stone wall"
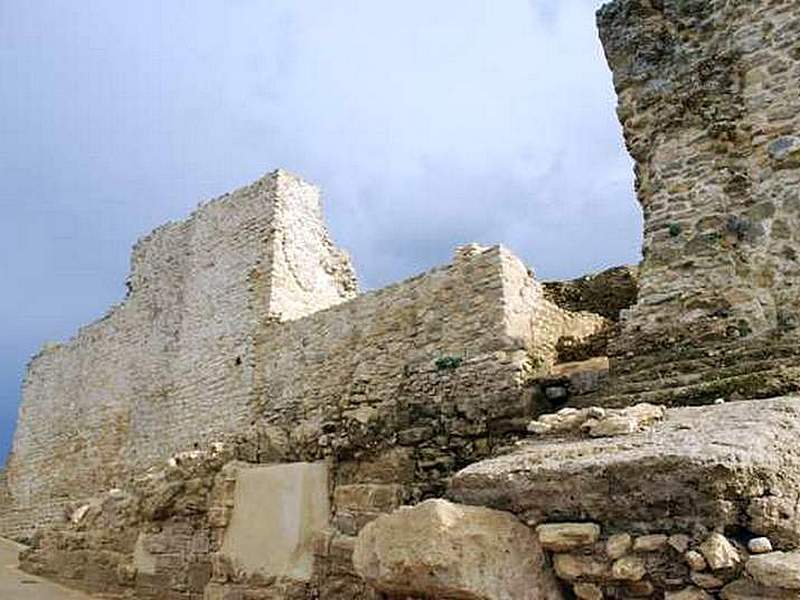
(239, 333)
(711, 115)
(173, 365)
(680, 504)
(394, 390)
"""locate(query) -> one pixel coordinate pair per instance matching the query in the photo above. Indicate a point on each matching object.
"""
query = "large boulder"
(728, 465)
(442, 550)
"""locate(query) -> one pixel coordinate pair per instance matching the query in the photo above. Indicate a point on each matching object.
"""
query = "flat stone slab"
(277, 511)
(724, 465)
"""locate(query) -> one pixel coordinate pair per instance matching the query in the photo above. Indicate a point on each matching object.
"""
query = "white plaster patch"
(142, 559)
(277, 510)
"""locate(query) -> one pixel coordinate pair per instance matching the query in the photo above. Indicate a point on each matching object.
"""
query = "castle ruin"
(247, 426)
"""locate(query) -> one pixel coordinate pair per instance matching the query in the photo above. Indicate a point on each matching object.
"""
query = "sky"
(426, 124)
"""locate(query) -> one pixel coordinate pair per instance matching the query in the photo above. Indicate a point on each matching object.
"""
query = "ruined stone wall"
(709, 105)
(173, 365)
(393, 391)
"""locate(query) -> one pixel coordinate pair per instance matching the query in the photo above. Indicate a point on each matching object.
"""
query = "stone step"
(753, 385)
(701, 359)
(697, 375)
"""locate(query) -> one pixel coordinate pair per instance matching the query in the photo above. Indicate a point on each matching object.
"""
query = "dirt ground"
(16, 585)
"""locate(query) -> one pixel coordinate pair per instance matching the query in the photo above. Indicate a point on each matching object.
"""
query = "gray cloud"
(426, 125)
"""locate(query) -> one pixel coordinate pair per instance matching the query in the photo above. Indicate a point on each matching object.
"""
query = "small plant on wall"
(448, 363)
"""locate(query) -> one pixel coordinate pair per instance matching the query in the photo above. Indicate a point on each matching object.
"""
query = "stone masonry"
(709, 105)
(247, 427)
(149, 378)
(215, 367)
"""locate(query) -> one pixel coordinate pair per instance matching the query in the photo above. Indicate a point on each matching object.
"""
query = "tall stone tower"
(709, 103)
(179, 362)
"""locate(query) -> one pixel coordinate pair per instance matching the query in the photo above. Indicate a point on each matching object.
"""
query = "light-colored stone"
(563, 537)
(776, 569)
(618, 545)
(440, 549)
(719, 552)
(759, 545)
(701, 462)
(588, 591)
(576, 566)
(278, 511)
(747, 589)
(79, 513)
(143, 561)
(695, 561)
(650, 543)
(628, 568)
(612, 425)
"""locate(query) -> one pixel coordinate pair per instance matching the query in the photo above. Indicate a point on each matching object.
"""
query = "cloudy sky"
(427, 124)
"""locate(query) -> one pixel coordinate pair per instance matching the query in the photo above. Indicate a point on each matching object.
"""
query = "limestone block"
(776, 569)
(368, 497)
(650, 543)
(577, 566)
(679, 542)
(759, 545)
(747, 589)
(618, 545)
(719, 552)
(707, 581)
(278, 512)
(562, 537)
(628, 568)
(695, 560)
(588, 591)
(700, 465)
(440, 549)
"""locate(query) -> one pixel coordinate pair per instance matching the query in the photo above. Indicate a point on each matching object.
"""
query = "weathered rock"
(650, 543)
(562, 537)
(618, 545)
(695, 561)
(588, 591)
(628, 568)
(707, 581)
(776, 569)
(759, 545)
(679, 542)
(719, 552)
(688, 593)
(611, 425)
(596, 421)
(746, 589)
(440, 549)
(577, 566)
(701, 466)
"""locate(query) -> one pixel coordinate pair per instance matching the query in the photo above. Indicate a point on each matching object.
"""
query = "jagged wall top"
(298, 268)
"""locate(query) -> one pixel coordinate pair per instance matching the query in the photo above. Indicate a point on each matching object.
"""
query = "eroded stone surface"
(560, 537)
(776, 569)
(709, 465)
(440, 549)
